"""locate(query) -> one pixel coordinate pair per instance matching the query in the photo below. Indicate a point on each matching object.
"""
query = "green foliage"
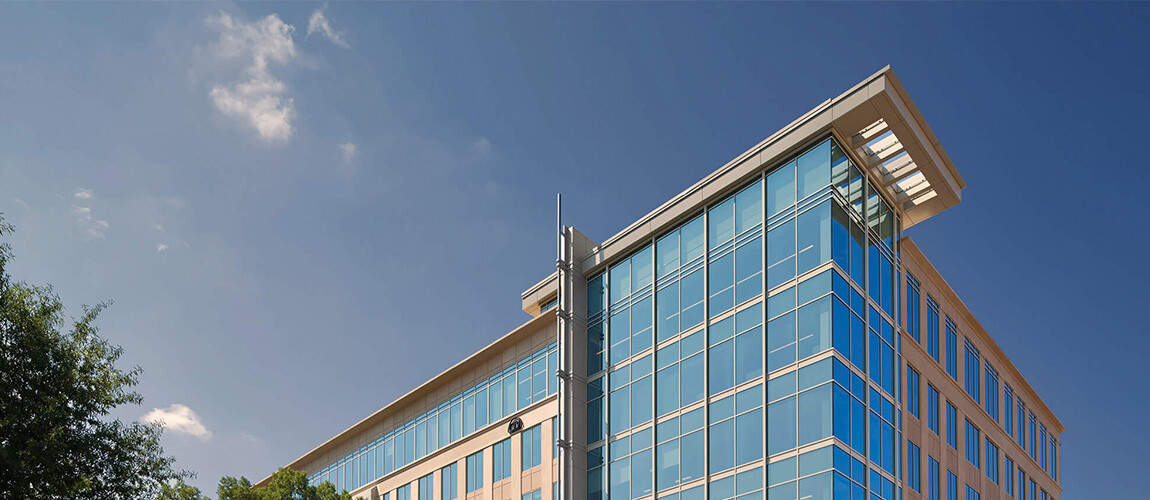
(180, 491)
(285, 484)
(58, 384)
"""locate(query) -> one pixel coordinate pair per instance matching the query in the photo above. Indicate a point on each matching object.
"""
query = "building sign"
(515, 425)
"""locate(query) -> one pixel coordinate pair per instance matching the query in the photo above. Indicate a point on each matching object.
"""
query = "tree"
(58, 383)
(285, 484)
(180, 490)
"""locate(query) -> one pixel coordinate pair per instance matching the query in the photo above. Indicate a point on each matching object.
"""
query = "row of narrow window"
(1027, 489)
(981, 381)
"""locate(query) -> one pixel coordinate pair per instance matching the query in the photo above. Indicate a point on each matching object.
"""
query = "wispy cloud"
(319, 23)
(347, 151)
(259, 98)
(481, 148)
(93, 228)
(180, 419)
(161, 247)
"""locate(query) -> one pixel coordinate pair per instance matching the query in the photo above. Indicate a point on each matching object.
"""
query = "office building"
(768, 332)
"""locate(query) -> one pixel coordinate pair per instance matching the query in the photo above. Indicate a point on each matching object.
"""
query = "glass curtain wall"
(722, 345)
(516, 387)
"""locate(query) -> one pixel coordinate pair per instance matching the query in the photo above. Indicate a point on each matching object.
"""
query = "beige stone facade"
(933, 372)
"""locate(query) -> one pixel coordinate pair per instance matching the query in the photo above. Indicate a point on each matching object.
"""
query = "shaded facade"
(769, 332)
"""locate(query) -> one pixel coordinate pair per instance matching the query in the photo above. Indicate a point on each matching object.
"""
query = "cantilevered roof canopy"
(880, 124)
(900, 151)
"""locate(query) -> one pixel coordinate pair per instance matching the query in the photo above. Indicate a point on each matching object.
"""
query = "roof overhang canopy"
(898, 149)
(875, 118)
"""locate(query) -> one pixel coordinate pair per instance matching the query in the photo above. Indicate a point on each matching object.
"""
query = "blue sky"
(302, 217)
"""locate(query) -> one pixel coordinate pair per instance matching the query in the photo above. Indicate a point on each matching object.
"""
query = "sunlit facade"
(768, 333)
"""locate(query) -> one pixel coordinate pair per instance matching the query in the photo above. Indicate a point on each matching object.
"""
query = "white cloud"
(179, 418)
(259, 99)
(347, 150)
(23, 204)
(158, 227)
(92, 227)
(481, 147)
(318, 22)
(161, 247)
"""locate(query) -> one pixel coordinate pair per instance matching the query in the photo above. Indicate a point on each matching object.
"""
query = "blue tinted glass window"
(781, 189)
(951, 425)
(932, 328)
(814, 170)
(951, 349)
(912, 392)
(972, 371)
(912, 467)
(932, 408)
(912, 307)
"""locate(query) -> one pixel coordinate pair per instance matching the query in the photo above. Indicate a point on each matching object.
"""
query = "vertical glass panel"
(524, 395)
(620, 334)
(721, 223)
(667, 254)
(692, 380)
(691, 300)
(667, 390)
(595, 342)
(748, 266)
(814, 327)
(858, 241)
(620, 407)
(781, 189)
(620, 281)
(667, 464)
(595, 429)
(641, 401)
(782, 425)
(780, 254)
(721, 447)
(840, 237)
(596, 296)
(814, 169)
(781, 348)
(749, 429)
(539, 378)
(691, 241)
(814, 414)
(641, 325)
(840, 171)
(721, 367)
(814, 237)
(620, 479)
(468, 415)
(508, 395)
(749, 355)
(667, 308)
(642, 470)
(721, 278)
(856, 190)
(749, 207)
(456, 421)
(641, 269)
(692, 463)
